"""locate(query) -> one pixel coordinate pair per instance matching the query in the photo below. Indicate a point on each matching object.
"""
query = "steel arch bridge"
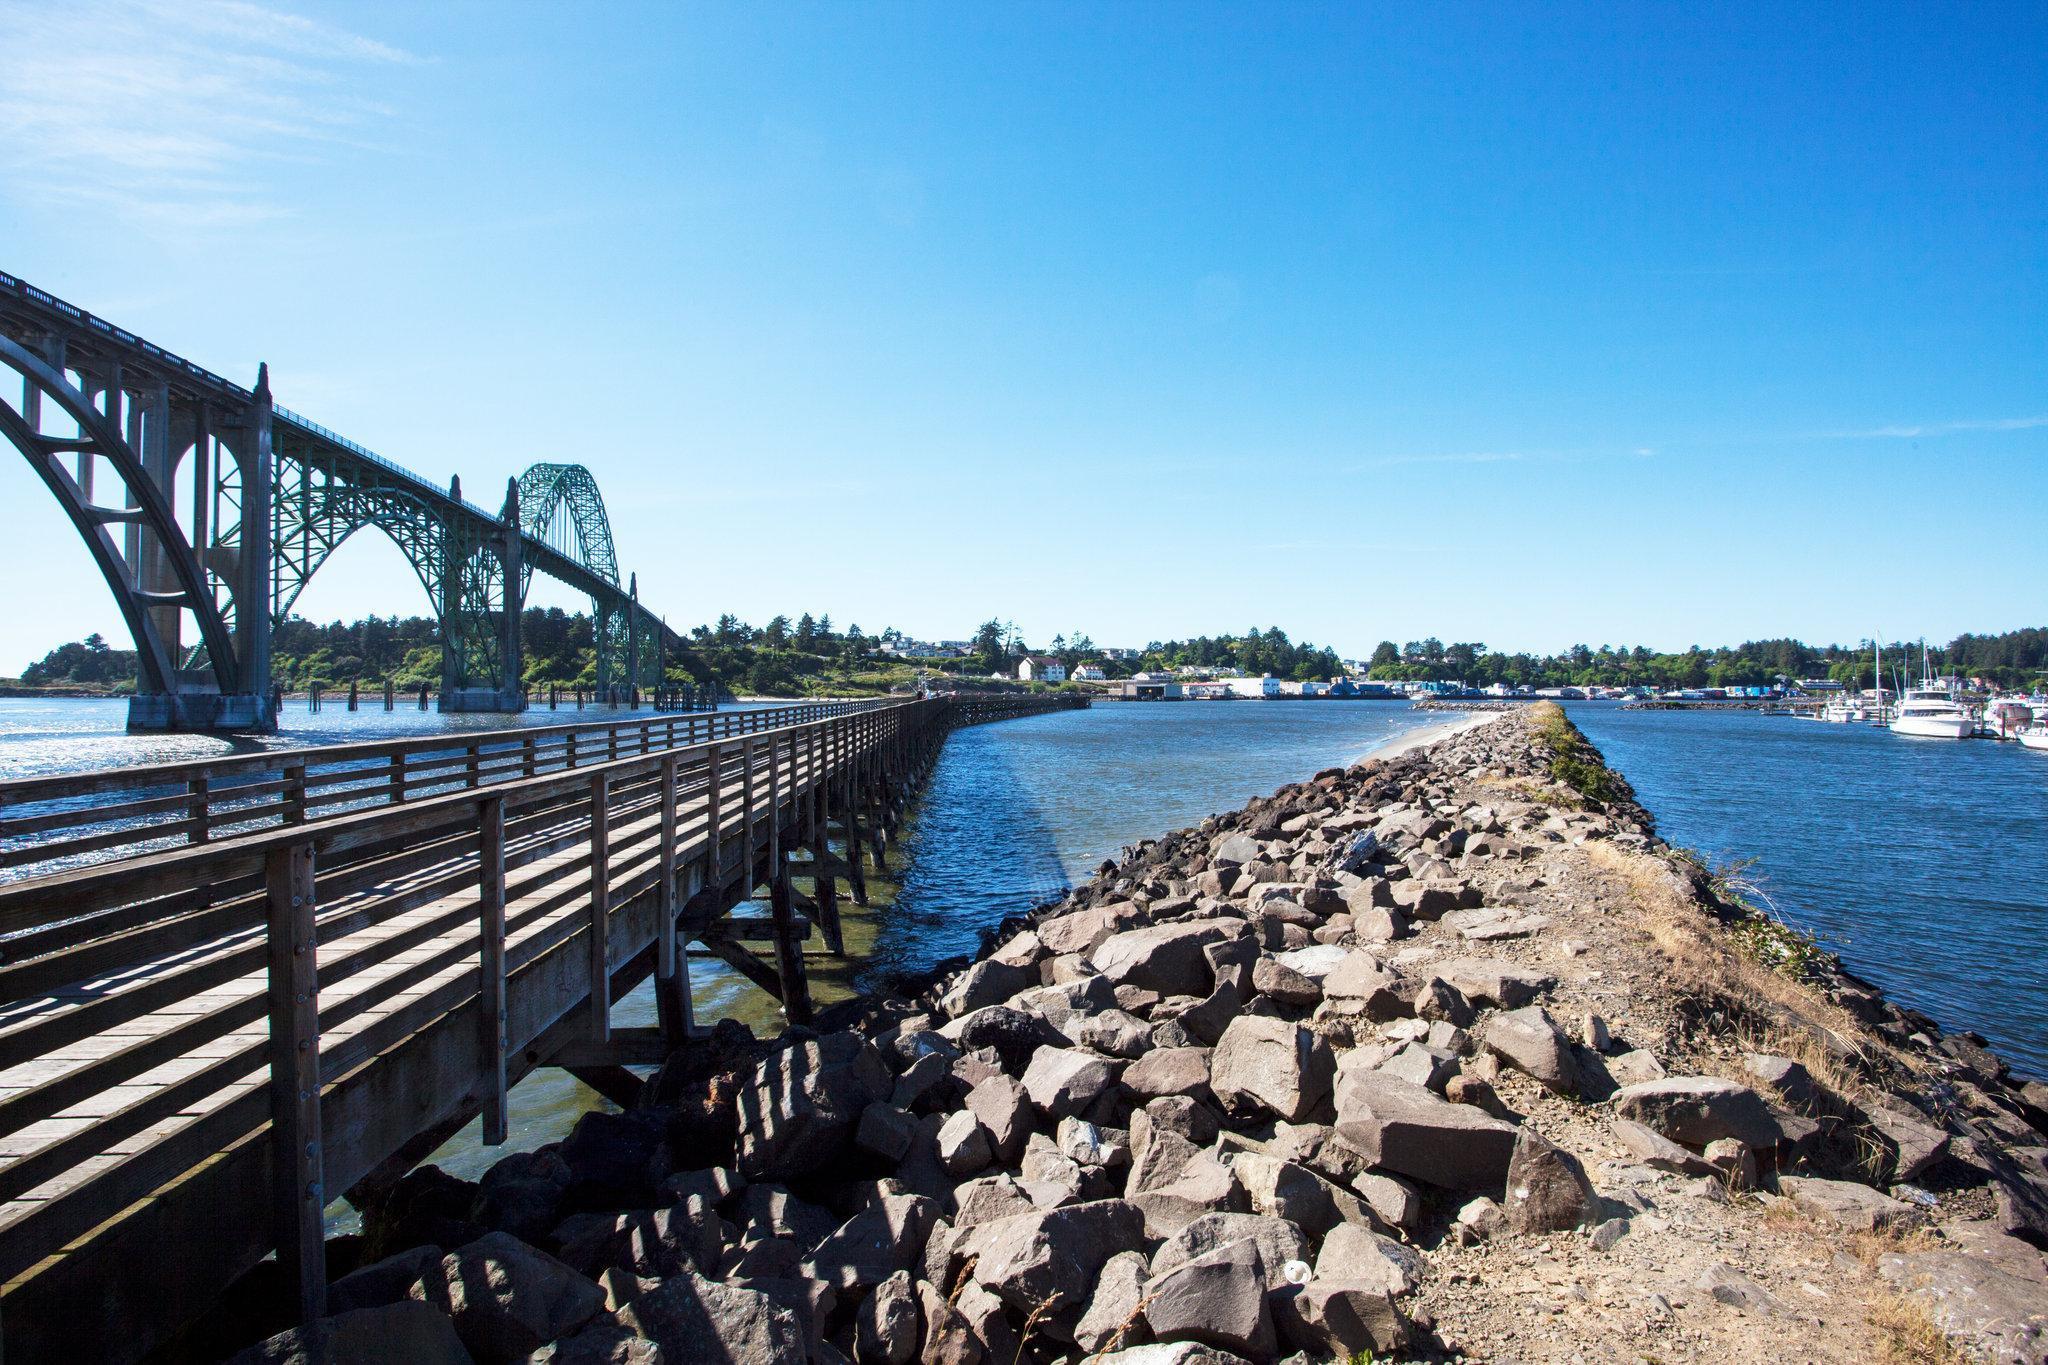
(207, 509)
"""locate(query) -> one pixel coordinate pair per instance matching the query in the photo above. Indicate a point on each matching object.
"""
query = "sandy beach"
(1430, 734)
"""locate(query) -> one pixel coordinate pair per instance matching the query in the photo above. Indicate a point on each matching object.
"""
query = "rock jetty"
(1443, 1056)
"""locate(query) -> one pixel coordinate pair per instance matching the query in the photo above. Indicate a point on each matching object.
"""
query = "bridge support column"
(199, 707)
(461, 603)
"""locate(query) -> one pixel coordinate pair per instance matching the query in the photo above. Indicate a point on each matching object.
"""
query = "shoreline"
(1422, 737)
(1444, 1054)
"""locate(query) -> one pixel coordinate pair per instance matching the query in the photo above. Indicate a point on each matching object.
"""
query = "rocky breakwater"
(1434, 1057)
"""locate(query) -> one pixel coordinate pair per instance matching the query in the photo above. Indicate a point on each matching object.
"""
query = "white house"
(1268, 686)
(1041, 668)
(1090, 672)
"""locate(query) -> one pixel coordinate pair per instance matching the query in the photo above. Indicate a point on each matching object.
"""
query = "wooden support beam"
(491, 963)
(823, 883)
(789, 957)
(745, 963)
(299, 1199)
(615, 1083)
(626, 1047)
(671, 976)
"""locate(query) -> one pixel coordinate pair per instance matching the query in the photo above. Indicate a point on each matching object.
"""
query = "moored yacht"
(1933, 714)
(2035, 736)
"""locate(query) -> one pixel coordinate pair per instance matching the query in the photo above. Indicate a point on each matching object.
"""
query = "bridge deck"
(165, 1016)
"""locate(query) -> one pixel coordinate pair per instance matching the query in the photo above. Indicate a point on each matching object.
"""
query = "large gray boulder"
(1271, 1064)
(1278, 1240)
(799, 1111)
(990, 981)
(1986, 1291)
(1063, 1081)
(1361, 984)
(1170, 1071)
(1697, 1110)
(1166, 958)
(1114, 1304)
(1005, 1112)
(1845, 1203)
(507, 1299)
(1506, 985)
(1529, 1040)
(1340, 1319)
(1078, 931)
(1410, 1131)
(1282, 1189)
(885, 1329)
(1658, 1152)
(1031, 1260)
(1217, 1298)
(1353, 1253)
(1547, 1187)
(1203, 1187)
(403, 1333)
(387, 1281)
(883, 1238)
(695, 1319)
(1911, 1144)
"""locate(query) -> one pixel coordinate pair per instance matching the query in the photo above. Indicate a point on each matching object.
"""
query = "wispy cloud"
(174, 112)
(1940, 428)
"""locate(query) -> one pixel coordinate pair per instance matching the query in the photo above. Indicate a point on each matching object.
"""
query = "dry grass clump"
(1765, 1010)
(1908, 1335)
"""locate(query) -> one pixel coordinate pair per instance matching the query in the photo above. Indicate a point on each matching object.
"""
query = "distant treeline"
(2014, 659)
(808, 654)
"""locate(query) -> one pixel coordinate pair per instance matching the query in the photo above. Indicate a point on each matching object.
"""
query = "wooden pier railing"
(302, 971)
(74, 818)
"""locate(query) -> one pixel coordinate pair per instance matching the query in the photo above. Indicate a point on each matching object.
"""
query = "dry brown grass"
(1870, 1247)
(1907, 1334)
(1702, 963)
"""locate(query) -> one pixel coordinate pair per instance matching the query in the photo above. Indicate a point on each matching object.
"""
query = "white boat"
(1932, 712)
(1844, 711)
(2035, 736)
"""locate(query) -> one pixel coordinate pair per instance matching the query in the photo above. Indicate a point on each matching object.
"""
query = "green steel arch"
(559, 505)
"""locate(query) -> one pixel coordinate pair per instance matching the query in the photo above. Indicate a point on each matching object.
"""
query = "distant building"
(1151, 687)
(1088, 672)
(1041, 668)
(1268, 686)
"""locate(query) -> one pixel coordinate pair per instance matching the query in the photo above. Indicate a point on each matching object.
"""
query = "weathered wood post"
(714, 851)
(600, 908)
(671, 976)
(491, 962)
(824, 883)
(295, 794)
(850, 809)
(789, 959)
(299, 1193)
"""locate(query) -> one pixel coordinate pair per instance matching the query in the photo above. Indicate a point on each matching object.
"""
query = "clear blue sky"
(1528, 326)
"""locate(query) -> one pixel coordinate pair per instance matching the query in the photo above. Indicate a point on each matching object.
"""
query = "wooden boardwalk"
(231, 991)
